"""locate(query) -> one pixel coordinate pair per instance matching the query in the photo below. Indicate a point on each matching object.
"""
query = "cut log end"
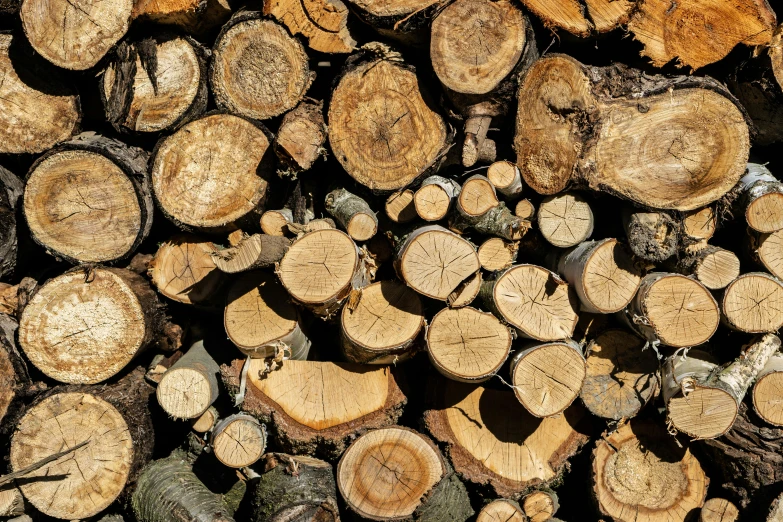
(301, 136)
(466, 292)
(716, 268)
(238, 441)
(766, 396)
(652, 236)
(768, 249)
(718, 510)
(206, 421)
(540, 506)
(400, 206)
(700, 225)
(765, 213)
(250, 252)
(525, 209)
(324, 24)
(506, 178)
(495, 254)
(353, 213)
(189, 387)
(754, 287)
(477, 197)
(275, 222)
(501, 511)
(183, 270)
(432, 202)
(565, 220)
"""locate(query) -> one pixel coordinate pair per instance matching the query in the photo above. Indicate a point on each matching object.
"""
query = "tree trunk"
(753, 303)
(256, 251)
(582, 18)
(352, 213)
(597, 140)
(343, 400)
(238, 440)
(190, 386)
(766, 397)
(496, 254)
(506, 178)
(183, 270)
(501, 510)
(718, 510)
(105, 209)
(652, 236)
(435, 197)
(398, 474)
(565, 220)
(401, 207)
(323, 23)
(302, 134)
(541, 505)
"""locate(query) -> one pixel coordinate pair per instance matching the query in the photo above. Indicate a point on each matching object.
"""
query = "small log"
(434, 261)
(652, 236)
(637, 465)
(525, 209)
(718, 510)
(761, 199)
(293, 488)
(594, 16)
(498, 221)
(467, 345)
(323, 23)
(565, 220)
(541, 505)
(496, 254)
(258, 69)
(435, 197)
(52, 108)
(218, 162)
(383, 327)
(702, 399)
(547, 377)
(86, 325)
(407, 22)
(256, 251)
(534, 300)
(622, 377)
(105, 210)
(206, 422)
(344, 400)
(190, 386)
(712, 266)
(673, 310)
(476, 198)
(238, 440)
(400, 206)
(753, 303)
(183, 270)
(302, 134)
(506, 178)
(495, 443)
(396, 473)
(12, 502)
(466, 292)
(388, 149)
(352, 213)
(767, 250)
(340, 269)
(699, 225)
(260, 320)
(767, 401)
(501, 510)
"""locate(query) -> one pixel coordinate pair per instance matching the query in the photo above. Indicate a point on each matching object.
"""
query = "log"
(582, 19)
(434, 251)
(752, 303)
(86, 325)
(258, 69)
(501, 510)
(541, 505)
(15, 382)
(260, 320)
(603, 273)
(155, 84)
(322, 268)
(535, 301)
(209, 175)
(718, 510)
(760, 199)
(699, 225)
(467, 345)
(498, 221)
(506, 178)
(767, 250)
(12, 502)
(396, 473)
(343, 400)
(251, 252)
(476, 198)
(494, 442)
(302, 134)
(435, 197)
(74, 34)
(407, 22)
(183, 270)
(206, 422)
(238, 440)
(652, 236)
(466, 292)
(712, 266)
(323, 23)
(275, 222)
(635, 470)
(673, 310)
(197, 17)
(547, 377)
(190, 386)
(312, 226)
(384, 326)
(352, 213)
(11, 189)
(496, 254)
(295, 488)
(525, 209)
(388, 148)
(765, 394)
(52, 106)
(400, 206)
(703, 399)
(105, 210)
(553, 153)
(565, 220)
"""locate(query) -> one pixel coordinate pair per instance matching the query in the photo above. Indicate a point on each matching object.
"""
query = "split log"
(11, 189)
(652, 236)
(383, 327)
(767, 250)
(352, 213)
(323, 23)
(296, 489)
(622, 377)
(603, 139)
(506, 178)
(534, 300)
(52, 107)
(258, 69)
(525, 209)
(183, 270)
(260, 320)
(582, 19)
(206, 422)
(496, 254)
(547, 377)
(699, 225)
(434, 251)
(401, 207)
(155, 84)
(105, 209)
(703, 399)
(256, 251)
(343, 400)
(75, 34)
(673, 310)
(498, 221)
(302, 134)
(761, 199)
(435, 197)
(501, 510)
(541, 505)
(639, 469)
(603, 273)
(322, 268)
(12, 502)
(466, 292)
(209, 174)
(718, 510)
(86, 325)
(196, 17)
(753, 303)
(163, 11)
(467, 345)
(766, 391)
(396, 473)
(238, 440)
(565, 220)
(712, 266)
(494, 442)
(388, 149)
(190, 386)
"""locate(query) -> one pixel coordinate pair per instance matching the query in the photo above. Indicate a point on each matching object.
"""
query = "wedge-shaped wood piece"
(323, 22)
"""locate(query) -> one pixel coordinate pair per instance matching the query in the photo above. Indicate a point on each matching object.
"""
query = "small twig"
(5, 479)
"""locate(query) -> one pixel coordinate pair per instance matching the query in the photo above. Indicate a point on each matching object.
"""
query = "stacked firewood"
(412, 260)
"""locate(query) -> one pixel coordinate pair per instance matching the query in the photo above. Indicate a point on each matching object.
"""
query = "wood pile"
(411, 260)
